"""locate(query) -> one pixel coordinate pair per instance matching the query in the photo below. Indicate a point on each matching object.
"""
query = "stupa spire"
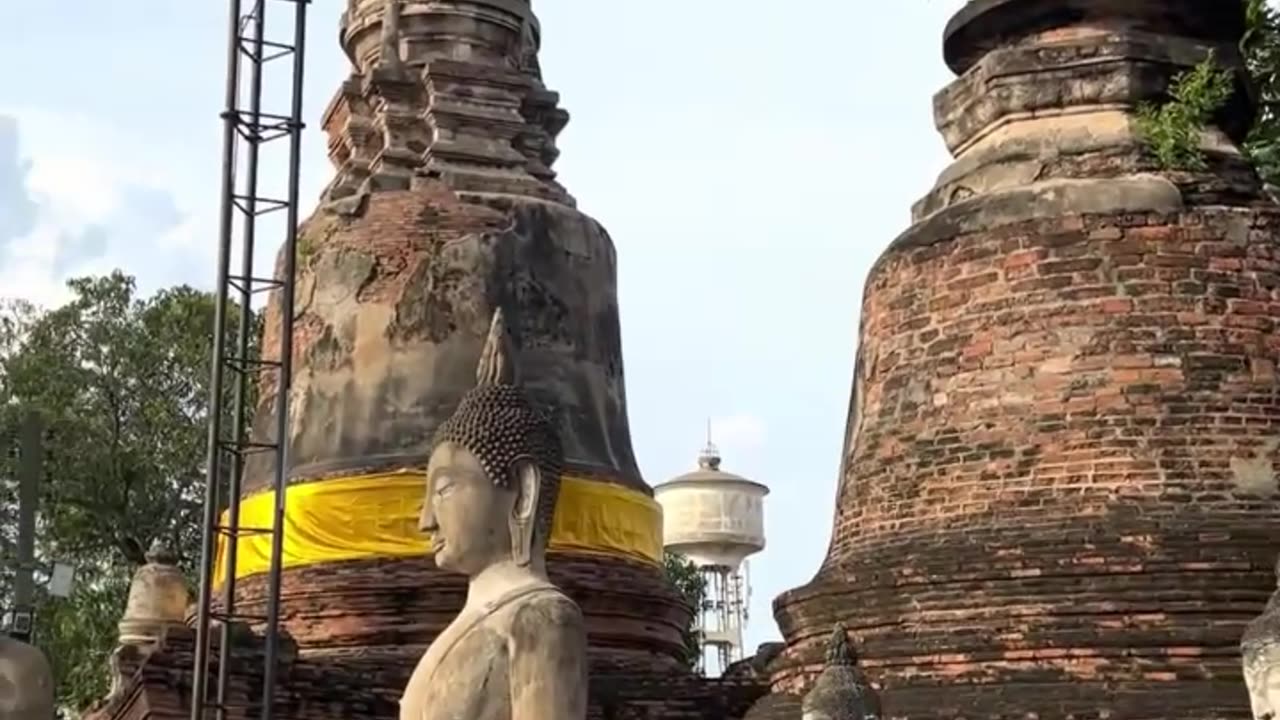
(449, 90)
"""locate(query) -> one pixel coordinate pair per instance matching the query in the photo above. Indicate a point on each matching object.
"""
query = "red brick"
(1087, 499)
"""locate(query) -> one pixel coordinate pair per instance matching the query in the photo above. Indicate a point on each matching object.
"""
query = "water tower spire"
(709, 458)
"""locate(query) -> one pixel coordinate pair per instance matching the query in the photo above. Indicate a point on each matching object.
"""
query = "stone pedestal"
(1058, 495)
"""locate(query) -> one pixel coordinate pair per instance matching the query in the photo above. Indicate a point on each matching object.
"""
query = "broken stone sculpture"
(26, 682)
(1260, 653)
(158, 600)
(841, 692)
(518, 647)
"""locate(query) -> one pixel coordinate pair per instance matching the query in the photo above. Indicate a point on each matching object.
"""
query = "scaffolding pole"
(235, 365)
(30, 469)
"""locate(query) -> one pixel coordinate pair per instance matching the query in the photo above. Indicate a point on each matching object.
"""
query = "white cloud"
(106, 198)
(24, 269)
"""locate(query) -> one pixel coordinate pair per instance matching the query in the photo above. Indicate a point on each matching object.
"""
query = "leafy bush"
(1172, 130)
(1261, 47)
(692, 586)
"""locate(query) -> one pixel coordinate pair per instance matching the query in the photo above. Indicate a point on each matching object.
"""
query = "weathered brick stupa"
(1059, 496)
(444, 207)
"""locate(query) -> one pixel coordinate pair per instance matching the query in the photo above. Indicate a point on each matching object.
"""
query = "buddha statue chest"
(491, 658)
(1260, 653)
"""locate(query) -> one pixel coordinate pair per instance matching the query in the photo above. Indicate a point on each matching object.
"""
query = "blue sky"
(750, 158)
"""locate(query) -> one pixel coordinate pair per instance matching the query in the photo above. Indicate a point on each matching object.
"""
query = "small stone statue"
(158, 599)
(26, 682)
(518, 648)
(1260, 653)
(841, 692)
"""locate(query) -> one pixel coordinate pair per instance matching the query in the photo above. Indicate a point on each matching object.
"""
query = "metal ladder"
(247, 128)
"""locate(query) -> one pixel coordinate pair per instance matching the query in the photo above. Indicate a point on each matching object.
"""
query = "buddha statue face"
(493, 473)
(475, 522)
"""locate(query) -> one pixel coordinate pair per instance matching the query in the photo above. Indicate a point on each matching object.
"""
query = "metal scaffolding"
(247, 128)
(30, 472)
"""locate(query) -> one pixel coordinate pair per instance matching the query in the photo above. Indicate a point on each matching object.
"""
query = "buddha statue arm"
(548, 661)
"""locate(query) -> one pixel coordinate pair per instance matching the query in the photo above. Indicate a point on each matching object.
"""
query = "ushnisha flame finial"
(497, 364)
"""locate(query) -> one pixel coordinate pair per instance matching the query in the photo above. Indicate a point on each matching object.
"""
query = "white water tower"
(716, 520)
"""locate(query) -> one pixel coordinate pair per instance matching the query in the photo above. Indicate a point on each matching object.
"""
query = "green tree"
(1171, 130)
(1261, 47)
(121, 383)
(692, 587)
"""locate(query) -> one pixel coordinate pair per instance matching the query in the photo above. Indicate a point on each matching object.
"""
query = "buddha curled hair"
(500, 425)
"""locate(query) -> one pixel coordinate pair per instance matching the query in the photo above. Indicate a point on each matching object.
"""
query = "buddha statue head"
(494, 471)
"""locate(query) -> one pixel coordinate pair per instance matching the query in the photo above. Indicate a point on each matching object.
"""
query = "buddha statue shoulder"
(1260, 654)
(26, 682)
(518, 647)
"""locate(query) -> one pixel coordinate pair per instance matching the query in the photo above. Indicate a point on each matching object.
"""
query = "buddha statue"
(1260, 654)
(841, 692)
(26, 682)
(518, 647)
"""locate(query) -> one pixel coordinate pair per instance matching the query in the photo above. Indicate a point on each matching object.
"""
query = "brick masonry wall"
(389, 610)
(1063, 498)
(329, 689)
(776, 706)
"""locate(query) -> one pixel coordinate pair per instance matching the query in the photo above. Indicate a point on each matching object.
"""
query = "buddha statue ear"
(524, 512)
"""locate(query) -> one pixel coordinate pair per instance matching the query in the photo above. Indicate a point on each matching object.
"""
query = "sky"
(750, 158)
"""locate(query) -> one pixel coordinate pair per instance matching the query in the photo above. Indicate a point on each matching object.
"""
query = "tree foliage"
(121, 384)
(1261, 46)
(1172, 130)
(692, 587)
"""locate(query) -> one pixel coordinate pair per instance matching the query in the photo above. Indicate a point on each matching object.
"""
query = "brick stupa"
(444, 207)
(1058, 496)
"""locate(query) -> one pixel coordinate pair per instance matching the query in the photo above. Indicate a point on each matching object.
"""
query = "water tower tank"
(716, 520)
(712, 517)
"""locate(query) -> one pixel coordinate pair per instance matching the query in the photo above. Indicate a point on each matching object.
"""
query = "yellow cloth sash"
(372, 516)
